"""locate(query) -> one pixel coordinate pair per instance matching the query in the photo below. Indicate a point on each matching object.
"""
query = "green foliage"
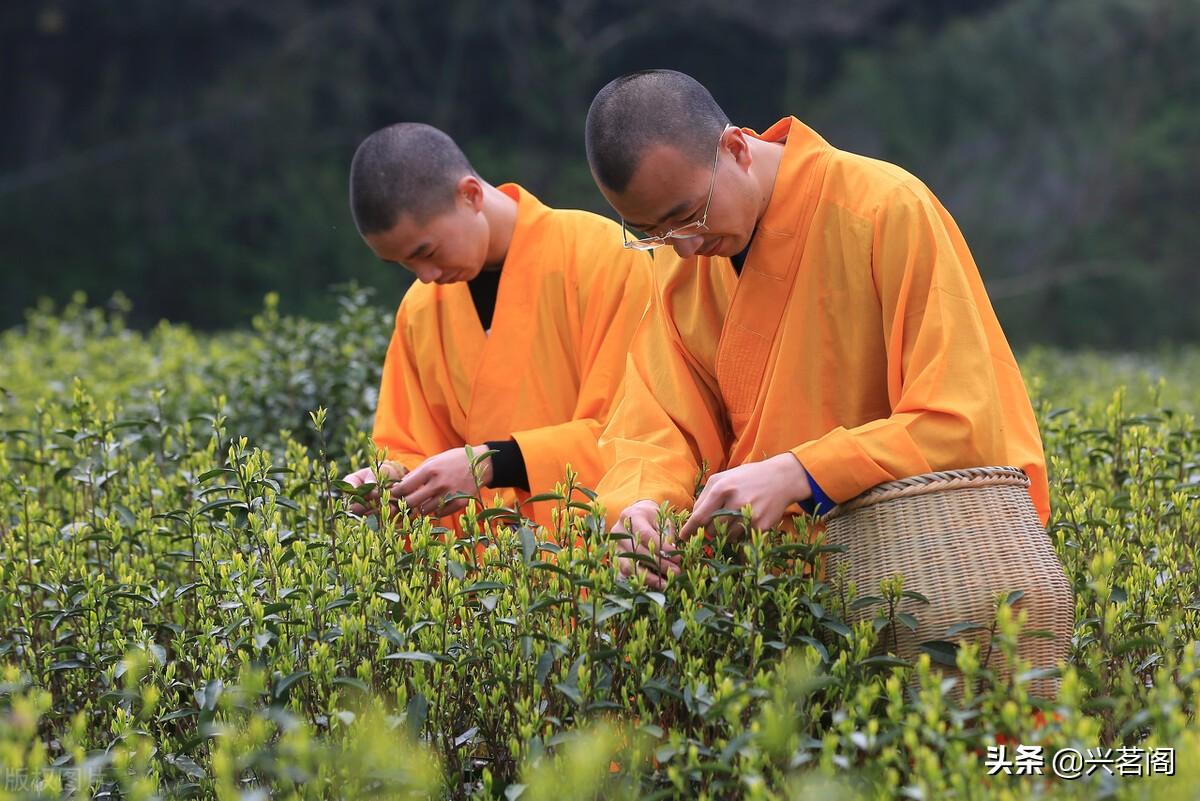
(1059, 137)
(189, 612)
(262, 381)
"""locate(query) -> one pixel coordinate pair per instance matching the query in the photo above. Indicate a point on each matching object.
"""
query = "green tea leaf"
(941, 652)
(283, 685)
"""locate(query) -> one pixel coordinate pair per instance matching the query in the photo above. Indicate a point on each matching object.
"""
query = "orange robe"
(858, 336)
(547, 372)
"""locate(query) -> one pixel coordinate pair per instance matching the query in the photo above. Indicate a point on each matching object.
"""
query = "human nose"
(427, 273)
(686, 247)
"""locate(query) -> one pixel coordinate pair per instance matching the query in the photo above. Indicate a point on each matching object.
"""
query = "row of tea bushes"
(270, 377)
(188, 611)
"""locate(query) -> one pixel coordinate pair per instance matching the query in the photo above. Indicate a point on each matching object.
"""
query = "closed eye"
(691, 218)
(666, 228)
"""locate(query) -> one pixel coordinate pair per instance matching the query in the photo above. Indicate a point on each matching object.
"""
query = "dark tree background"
(193, 154)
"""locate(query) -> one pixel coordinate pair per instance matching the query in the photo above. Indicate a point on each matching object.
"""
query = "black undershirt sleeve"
(508, 464)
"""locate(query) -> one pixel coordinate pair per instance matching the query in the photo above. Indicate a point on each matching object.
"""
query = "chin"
(462, 276)
(739, 245)
(727, 247)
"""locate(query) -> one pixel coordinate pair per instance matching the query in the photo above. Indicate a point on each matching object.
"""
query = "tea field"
(189, 610)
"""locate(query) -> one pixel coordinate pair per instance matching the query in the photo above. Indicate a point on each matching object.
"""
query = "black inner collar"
(484, 288)
(739, 259)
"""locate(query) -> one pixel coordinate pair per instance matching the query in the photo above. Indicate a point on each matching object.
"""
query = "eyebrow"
(675, 211)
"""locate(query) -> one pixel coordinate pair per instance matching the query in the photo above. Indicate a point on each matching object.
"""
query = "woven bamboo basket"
(960, 538)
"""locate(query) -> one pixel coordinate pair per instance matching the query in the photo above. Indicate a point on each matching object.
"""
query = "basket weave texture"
(960, 538)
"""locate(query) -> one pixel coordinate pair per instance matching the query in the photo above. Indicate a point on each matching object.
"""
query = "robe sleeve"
(668, 424)
(409, 424)
(942, 387)
(610, 311)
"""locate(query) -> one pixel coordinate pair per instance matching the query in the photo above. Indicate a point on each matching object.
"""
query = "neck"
(767, 156)
(500, 211)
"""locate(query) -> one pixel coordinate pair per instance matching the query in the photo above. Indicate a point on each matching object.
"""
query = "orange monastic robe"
(547, 372)
(858, 336)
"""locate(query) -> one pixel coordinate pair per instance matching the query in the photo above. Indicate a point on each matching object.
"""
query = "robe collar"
(751, 326)
(530, 211)
(802, 147)
(516, 297)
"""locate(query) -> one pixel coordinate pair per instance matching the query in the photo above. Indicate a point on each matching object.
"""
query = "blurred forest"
(193, 154)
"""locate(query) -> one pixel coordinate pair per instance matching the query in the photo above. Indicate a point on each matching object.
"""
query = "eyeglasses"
(692, 229)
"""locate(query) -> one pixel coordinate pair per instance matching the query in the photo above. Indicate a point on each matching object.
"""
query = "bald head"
(406, 168)
(643, 109)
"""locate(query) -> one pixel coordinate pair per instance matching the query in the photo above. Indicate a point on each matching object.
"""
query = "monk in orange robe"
(821, 329)
(514, 339)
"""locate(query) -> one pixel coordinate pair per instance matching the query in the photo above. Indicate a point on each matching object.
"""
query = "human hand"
(388, 471)
(769, 487)
(446, 473)
(639, 522)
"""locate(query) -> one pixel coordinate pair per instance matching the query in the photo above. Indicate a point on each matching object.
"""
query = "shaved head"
(643, 109)
(406, 168)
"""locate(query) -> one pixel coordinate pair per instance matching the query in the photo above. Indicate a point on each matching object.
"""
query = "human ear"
(734, 140)
(471, 190)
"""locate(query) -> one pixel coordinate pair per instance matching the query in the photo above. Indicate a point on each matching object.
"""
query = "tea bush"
(190, 611)
(270, 377)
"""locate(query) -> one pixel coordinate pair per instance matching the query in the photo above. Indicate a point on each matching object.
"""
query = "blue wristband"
(819, 503)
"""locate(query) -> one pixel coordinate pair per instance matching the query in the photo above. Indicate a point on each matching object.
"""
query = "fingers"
(411, 481)
(712, 498)
(633, 527)
(648, 552)
(367, 475)
(438, 506)
(634, 524)
(390, 475)
(661, 546)
(654, 577)
(625, 535)
(429, 499)
(424, 489)
(650, 566)
(431, 480)
(768, 518)
(424, 500)
(398, 483)
(452, 508)
(358, 477)
(418, 488)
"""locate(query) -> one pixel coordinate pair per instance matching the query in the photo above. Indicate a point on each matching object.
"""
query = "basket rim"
(926, 483)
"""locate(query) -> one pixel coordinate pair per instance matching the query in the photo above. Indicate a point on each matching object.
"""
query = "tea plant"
(190, 610)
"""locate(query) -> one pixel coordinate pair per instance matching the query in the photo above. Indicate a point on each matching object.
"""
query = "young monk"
(824, 328)
(514, 339)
